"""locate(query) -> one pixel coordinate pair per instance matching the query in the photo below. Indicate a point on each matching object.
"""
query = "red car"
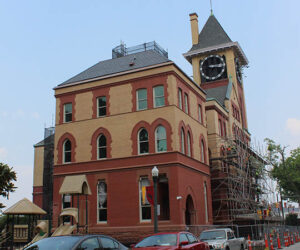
(172, 241)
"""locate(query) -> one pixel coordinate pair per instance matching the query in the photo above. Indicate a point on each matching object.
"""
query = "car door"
(108, 243)
(194, 242)
(232, 241)
(89, 244)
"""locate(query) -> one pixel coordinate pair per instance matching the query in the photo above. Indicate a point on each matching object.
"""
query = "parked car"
(77, 242)
(222, 239)
(170, 241)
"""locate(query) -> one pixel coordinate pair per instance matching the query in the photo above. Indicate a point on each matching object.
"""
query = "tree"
(7, 176)
(286, 170)
(291, 219)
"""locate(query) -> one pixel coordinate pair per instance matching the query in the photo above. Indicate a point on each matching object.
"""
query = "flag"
(143, 195)
(150, 194)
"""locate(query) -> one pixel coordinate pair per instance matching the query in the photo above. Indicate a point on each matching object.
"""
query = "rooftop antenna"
(211, 9)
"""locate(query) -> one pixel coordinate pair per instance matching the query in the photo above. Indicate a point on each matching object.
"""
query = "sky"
(43, 43)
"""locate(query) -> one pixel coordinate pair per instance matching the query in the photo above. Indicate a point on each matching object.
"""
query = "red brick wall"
(38, 196)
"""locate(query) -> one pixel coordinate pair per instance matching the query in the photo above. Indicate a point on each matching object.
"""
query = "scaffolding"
(236, 171)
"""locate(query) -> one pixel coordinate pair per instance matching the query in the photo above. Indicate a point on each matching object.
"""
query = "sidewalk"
(293, 247)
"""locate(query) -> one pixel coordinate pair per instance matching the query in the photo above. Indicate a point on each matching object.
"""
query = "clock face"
(238, 70)
(212, 67)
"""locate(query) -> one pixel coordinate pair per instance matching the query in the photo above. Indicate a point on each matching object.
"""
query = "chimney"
(194, 28)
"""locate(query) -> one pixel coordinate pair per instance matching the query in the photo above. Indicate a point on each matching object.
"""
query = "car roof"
(218, 229)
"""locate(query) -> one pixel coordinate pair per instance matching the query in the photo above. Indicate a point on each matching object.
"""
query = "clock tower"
(217, 64)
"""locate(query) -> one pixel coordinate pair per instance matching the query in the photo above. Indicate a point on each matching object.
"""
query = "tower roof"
(214, 38)
(212, 34)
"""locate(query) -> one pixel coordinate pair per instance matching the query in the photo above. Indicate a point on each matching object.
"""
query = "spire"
(212, 34)
(211, 9)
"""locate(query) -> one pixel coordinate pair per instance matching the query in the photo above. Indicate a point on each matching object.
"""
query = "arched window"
(67, 151)
(143, 142)
(160, 139)
(182, 141)
(189, 146)
(101, 147)
(202, 152)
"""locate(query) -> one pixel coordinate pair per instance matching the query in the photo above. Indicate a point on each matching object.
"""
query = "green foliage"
(7, 176)
(286, 170)
(291, 220)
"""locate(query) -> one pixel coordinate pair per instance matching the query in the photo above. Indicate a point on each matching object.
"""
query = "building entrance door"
(189, 211)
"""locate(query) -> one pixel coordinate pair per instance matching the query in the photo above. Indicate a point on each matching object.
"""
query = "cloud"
(3, 153)
(293, 126)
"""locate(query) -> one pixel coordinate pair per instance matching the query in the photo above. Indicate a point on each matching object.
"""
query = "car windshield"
(158, 240)
(55, 243)
(212, 235)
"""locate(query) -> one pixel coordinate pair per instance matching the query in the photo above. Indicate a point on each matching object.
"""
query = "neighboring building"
(121, 117)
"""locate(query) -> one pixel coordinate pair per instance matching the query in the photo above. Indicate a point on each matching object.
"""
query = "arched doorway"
(189, 211)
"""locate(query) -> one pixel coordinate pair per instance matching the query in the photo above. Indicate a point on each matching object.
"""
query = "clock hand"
(215, 65)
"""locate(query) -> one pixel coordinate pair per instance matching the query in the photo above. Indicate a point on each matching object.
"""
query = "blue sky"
(44, 43)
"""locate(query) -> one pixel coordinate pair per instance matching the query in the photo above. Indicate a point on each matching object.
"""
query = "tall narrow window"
(224, 129)
(182, 141)
(66, 202)
(202, 152)
(101, 102)
(189, 146)
(143, 141)
(68, 112)
(141, 99)
(102, 147)
(186, 103)
(161, 139)
(205, 202)
(102, 201)
(180, 98)
(200, 114)
(145, 207)
(159, 96)
(220, 128)
(67, 154)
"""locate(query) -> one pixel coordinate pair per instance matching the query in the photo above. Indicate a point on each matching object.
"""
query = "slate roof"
(117, 65)
(212, 34)
(47, 140)
(218, 93)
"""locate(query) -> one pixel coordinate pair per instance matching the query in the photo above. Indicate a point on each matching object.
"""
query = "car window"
(192, 238)
(159, 240)
(60, 243)
(89, 244)
(108, 243)
(182, 238)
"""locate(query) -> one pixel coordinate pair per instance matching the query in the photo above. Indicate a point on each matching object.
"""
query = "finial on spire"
(211, 9)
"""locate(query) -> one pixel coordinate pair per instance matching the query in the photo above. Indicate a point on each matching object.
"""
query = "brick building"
(121, 117)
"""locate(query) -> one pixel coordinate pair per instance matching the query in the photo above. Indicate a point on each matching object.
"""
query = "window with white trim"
(101, 106)
(102, 147)
(200, 114)
(180, 98)
(159, 96)
(141, 97)
(160, 139)
(202, 152)
(143, 141)
(182, 141)
(145, 207)
(66, 201)
(189, 146)
(102, 201)
(186, 103)
(67, 151)
(68, 112)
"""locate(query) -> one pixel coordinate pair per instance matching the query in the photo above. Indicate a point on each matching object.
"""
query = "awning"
(70, 211)
(75, 184)
(24, 206)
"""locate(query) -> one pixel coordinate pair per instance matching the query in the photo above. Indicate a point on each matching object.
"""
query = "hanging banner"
(150, 194)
